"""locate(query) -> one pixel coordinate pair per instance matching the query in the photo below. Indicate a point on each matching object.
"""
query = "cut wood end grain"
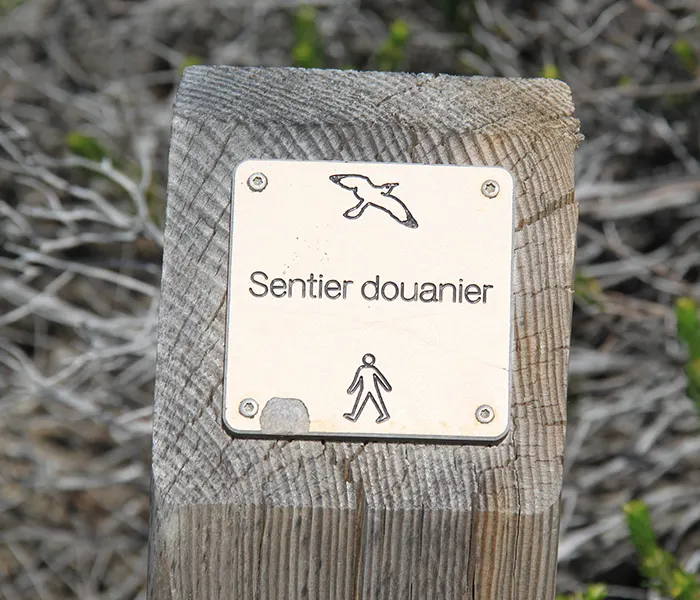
(329, 96)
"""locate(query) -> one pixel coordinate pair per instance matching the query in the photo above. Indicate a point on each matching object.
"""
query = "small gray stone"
(284, 416)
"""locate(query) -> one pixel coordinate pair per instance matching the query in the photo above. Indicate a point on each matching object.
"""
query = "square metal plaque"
(369, 300)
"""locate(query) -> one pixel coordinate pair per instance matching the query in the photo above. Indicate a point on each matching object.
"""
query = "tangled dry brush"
(85, 93)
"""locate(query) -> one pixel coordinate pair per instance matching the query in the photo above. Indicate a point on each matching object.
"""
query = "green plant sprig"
(661, 570)
(392, 51)
(307, 51)
(596, 591)
(688, 329)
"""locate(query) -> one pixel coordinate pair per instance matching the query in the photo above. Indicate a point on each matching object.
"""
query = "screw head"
(485, 414)
(248, 408)
(257, 182)
(490, 188)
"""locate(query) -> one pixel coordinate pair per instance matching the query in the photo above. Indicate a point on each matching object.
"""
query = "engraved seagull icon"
(379, 196)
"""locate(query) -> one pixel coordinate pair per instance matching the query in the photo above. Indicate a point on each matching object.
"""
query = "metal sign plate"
(369, 300)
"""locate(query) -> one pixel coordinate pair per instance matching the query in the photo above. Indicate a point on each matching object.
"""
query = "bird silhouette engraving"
(379, 196)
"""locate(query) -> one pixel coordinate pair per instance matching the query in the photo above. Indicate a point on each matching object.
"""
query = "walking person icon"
(367, 382)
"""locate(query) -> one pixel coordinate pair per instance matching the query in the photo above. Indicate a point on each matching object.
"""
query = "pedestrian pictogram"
(367, 382)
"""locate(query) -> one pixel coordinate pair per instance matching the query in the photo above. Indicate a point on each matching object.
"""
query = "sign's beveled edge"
(378, 437)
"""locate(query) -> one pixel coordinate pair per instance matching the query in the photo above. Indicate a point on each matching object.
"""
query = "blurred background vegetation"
(86, 88)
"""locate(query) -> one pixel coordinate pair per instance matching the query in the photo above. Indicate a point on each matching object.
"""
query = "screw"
(257, 182)
(485, 414)
(248, 408)
(490, 188)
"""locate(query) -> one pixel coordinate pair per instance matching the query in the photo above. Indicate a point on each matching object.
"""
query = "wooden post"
(246, 518)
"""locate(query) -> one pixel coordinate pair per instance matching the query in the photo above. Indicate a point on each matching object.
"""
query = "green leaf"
(692, 372)
(587, 290)
(684, 586)
(688, 328)
(550, 71)
(189, 61)
(398, 32)
(306, 51)
(391, 53)
(624, 81)
(458, 13)
(685, 54)
(85, 146)
(596, 591)
(155, 200)
(7, 6)
(640, 528)
(660, 569)
(688, 325)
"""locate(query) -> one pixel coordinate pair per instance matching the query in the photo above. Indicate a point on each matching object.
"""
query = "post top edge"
(330, 96)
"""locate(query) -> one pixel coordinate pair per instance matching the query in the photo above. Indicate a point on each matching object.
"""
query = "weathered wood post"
(278, 517)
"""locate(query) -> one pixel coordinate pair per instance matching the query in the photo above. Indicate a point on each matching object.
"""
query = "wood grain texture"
(240, 519)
